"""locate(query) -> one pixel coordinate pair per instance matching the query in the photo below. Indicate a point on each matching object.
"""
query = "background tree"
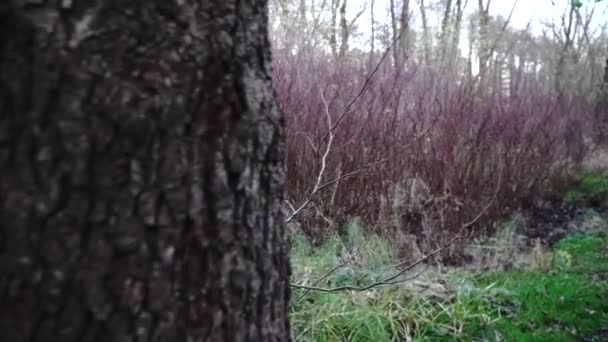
(484, 54)
(426, 36)
(141, 173)
(601, 109)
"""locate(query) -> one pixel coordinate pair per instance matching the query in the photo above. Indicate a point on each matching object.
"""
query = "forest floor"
(542, 277)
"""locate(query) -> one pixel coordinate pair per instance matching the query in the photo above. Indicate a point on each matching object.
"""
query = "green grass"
(556, 307)
(568, 302)
(591, 188)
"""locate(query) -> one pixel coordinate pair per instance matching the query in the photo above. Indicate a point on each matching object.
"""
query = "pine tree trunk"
(141, 173)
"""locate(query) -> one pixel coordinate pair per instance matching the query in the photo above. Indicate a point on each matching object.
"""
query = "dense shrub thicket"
(418, 152)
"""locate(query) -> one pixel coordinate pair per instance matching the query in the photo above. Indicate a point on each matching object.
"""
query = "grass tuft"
(564, 301)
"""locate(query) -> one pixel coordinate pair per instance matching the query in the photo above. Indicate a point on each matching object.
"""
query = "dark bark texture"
(141, 173)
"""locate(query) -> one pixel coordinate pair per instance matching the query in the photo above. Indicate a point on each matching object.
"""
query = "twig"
(315, 189)
(330, 133)
(376, 163)
(365, 85)
(359, 289)
(353, 173)
(391, 280)
(330, 272)
(327, 274)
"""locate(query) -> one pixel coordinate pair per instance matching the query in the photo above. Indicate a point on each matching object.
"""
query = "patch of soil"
(550, 221)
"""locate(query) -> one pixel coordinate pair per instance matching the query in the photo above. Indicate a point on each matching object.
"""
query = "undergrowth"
(414, 151)
(591, 188)
(555, 295)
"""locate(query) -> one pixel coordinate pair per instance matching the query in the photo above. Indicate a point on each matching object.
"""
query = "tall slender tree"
(426, 35)
(446, 32)
(141, 173)
(483, 38)
(601, 110)
(404, 31)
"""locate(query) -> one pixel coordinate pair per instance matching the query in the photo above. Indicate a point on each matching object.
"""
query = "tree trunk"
(446, 32)
(454, 56)
(344, 30)
(426, 36)
(304, 41)
(333, 32)
(605, 85)
(404, 31)
(560, 73)
(394, 30)
(372, 39)
(601, 111)
(141, 173)
(483, 53)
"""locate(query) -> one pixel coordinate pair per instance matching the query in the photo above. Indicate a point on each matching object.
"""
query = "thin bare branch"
(363, 88)
(392, 279)
(328, 147)
(318, 187)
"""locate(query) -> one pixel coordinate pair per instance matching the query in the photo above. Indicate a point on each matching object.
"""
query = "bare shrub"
(415, 152)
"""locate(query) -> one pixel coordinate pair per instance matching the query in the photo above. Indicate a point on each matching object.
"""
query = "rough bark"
(141, 173)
